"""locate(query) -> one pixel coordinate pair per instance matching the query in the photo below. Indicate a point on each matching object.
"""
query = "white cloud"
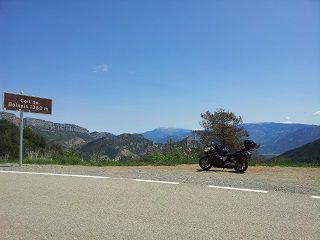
(288, 120)
(102, 68)
(317, 113)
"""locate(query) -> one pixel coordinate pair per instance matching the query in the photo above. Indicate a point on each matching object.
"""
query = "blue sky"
(131, 66)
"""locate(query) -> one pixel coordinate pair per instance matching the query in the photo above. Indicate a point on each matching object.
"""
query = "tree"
(222, 127)
(9, 140)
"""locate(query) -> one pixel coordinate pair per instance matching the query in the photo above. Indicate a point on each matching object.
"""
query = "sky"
(135, 65)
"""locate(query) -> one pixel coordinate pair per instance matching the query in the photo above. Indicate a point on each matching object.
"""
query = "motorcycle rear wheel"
(241, 167)
(205, 163)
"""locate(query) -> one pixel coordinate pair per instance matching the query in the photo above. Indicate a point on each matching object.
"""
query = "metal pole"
(21, 139)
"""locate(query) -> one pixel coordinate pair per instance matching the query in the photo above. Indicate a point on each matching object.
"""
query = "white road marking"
(317, 197)
(55, 174)
(239, 189)
(154, 181)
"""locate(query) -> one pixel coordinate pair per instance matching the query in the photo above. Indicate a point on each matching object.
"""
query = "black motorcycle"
(216, 155)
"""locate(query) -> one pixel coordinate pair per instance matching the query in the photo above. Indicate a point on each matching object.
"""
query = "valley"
(274, 138)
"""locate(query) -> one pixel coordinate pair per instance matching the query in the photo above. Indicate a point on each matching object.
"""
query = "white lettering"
(25, 101)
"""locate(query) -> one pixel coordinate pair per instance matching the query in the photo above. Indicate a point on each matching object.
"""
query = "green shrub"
(173, 155)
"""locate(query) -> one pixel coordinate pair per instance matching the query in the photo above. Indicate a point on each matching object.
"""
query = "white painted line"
(154, 181)
(317, 197)
(238, 189)
(55, 174)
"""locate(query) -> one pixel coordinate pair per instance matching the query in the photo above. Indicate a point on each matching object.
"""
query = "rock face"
(50, 126)
(10, 117)
(68, 135)
(42, 124)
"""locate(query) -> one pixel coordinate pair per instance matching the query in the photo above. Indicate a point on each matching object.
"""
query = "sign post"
(21, 139)
(24, 103)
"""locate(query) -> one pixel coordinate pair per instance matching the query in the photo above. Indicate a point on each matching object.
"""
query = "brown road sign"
(18, 102)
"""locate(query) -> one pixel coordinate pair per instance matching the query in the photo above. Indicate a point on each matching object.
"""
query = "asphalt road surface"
(87, 203)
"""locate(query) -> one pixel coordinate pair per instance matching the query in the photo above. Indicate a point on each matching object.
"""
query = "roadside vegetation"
(170, 157)
(281, 162)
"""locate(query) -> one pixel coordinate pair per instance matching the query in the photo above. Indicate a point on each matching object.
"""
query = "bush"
(9, 140)
(173, 155)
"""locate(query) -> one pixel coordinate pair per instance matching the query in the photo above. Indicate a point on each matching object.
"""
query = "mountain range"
(277, 138)
(308, 153)
(163, 135)
(274, 138)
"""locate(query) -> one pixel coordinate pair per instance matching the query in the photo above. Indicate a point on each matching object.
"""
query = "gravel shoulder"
(284, 179)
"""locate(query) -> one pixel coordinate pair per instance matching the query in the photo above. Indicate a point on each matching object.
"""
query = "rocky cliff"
(51, 126)
(68, 135)
(43, 125)
(10, 117)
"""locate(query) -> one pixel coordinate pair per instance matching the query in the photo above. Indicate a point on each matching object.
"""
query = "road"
(97, 206)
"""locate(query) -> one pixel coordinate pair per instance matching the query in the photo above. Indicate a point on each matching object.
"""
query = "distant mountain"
(277, 138)
(308, 153)
(120, 148)
(274, 138)
(97, 135)
(163, 135)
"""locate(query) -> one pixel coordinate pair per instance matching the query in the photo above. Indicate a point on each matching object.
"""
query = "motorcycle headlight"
(207, 149)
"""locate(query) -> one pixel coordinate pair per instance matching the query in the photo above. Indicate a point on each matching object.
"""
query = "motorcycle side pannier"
(249, 144)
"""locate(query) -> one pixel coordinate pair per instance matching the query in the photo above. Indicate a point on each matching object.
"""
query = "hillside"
(97, 135)
(308, 153)
(9, 140)
(119, 148)
(295, 139)
(277, 138)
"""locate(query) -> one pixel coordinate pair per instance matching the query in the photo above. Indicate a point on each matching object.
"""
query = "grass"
(172, 157)
(43, 161)
(283, 163)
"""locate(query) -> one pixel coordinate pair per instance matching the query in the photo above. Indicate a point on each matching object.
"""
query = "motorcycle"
(216, 155)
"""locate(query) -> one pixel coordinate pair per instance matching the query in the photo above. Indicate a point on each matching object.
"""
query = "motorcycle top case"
(249, 144)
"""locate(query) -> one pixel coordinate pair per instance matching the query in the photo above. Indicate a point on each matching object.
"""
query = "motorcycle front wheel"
(241, 167)
(205, 163)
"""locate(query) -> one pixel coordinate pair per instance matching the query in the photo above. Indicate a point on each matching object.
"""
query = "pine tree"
(222, 127)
